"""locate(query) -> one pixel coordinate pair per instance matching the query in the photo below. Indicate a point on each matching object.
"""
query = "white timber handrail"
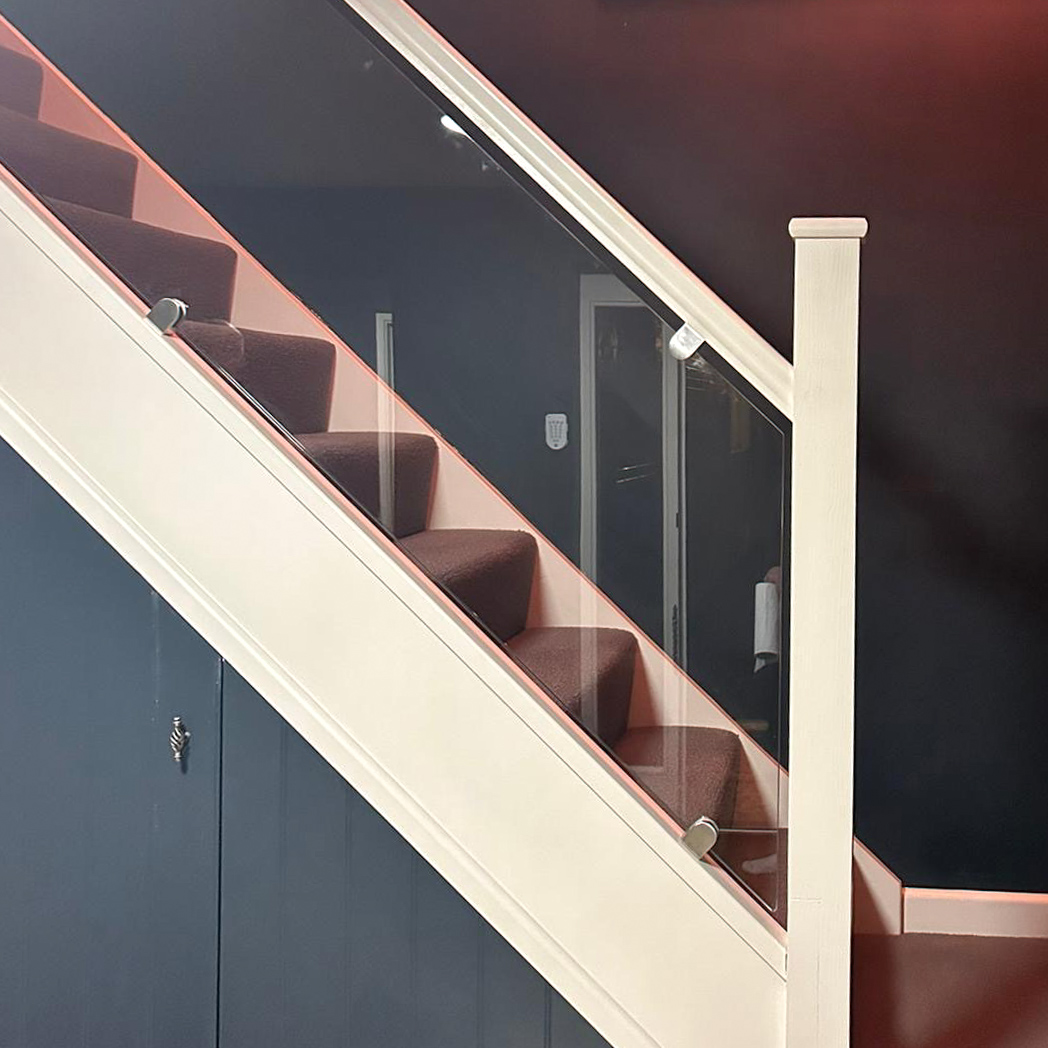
(822, 629)
(596, 211)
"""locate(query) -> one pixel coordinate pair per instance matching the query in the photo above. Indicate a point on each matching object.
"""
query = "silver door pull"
(179, 739)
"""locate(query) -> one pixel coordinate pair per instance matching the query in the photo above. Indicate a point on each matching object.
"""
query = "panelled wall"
(108, 850)
(335, 932)
(247, 897)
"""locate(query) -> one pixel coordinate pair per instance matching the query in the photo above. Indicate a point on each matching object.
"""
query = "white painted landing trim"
(828, 228)
(1018, 915)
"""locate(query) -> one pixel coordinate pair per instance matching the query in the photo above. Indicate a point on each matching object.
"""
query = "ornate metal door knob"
(179, 739)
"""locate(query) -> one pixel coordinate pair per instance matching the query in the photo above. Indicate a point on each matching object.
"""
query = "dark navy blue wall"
(108, 849)
(484, 290)
(335, 932)
(714, 122)
(115, 862)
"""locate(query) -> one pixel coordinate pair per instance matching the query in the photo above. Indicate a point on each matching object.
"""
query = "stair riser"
(292, 377)
(55, 163)
(158, 263)
(357, 461)
(21, 82)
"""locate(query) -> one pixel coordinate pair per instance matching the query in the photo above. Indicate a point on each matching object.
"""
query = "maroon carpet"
(949, 991)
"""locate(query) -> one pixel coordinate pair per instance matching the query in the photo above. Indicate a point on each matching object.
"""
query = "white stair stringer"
(369, 665)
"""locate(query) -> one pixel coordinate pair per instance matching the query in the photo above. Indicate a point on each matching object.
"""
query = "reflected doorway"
(631, 512)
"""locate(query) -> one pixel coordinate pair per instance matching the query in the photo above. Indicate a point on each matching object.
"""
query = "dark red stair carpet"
(69, 167)
(758, 858)
(949, 991)
(158, 263)
(291, 376)
(353, 461)
(21, 82)
(218, 341)
(589, 672)
(489, 571)
(693, 771)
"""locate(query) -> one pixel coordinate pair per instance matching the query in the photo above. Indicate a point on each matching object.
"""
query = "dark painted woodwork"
(335, 932)
(109, 856)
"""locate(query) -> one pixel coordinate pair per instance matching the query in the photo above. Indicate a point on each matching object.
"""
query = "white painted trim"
(591, 288)
(828, 228)
(581, 197)
(526, 819)
(876, 895)
(384, 359)
(674, 506)
(386, 418)
(822, 640)
(1021, 915)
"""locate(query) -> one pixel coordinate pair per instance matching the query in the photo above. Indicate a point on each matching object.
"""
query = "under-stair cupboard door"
(336, 933)
(109, 859)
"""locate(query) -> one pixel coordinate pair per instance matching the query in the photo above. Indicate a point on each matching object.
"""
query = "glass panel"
(507, 348)
(735, 460)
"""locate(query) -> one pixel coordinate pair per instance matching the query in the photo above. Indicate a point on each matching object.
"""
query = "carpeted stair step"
(21, 82)
(57, 163)
(218, 342)
(588, 671)
(158, 263)
(291, 376)
(692, 771)
(352, 460)
(490, 572)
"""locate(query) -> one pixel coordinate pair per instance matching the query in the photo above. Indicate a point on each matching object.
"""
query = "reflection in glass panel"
(735, 597)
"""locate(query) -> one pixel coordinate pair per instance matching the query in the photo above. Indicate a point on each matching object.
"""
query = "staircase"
(90, 187)
(440, 653)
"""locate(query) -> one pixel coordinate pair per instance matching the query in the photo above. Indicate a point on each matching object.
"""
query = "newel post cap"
(828, 228)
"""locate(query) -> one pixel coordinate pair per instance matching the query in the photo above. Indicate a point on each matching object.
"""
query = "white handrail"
(603, 217)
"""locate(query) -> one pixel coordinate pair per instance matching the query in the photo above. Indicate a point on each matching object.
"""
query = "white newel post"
(822, 629)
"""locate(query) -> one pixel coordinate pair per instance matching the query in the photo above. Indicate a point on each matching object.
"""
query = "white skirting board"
(1022, 915)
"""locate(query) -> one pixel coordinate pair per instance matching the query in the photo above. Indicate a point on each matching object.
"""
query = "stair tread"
(291, 376)
(60, 164)
(218, 342)
(21, 82)
(693, 771)
(489, 571)
(581, 666)
(158, 263)
(351, 458)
